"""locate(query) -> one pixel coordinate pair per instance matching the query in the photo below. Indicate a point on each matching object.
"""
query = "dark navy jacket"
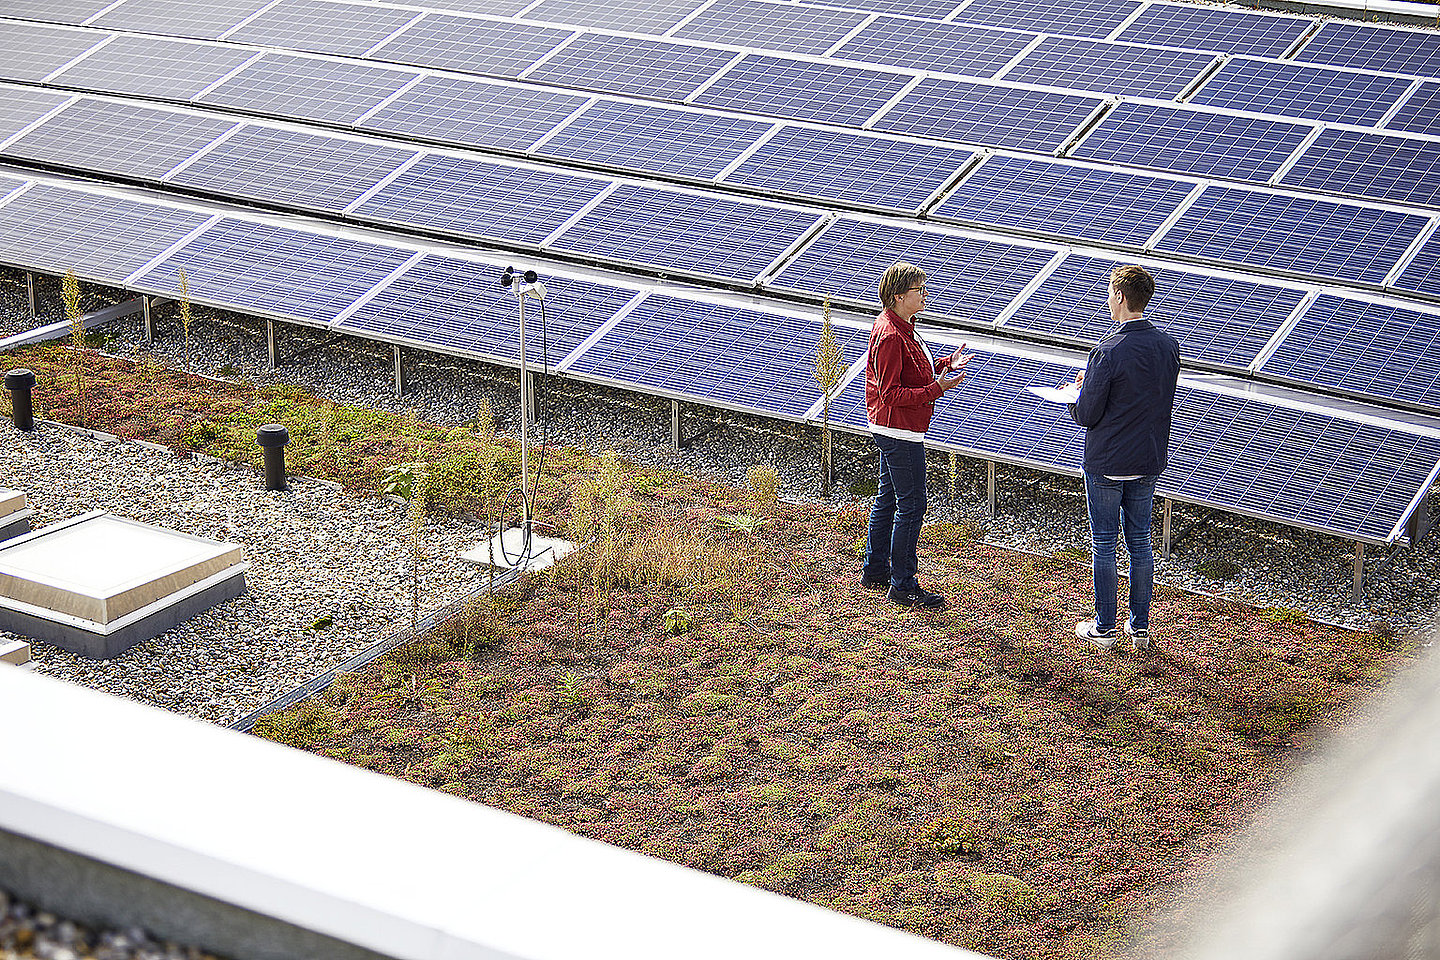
(1126, 401)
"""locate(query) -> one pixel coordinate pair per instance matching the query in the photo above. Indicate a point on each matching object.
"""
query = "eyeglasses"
(921, 288)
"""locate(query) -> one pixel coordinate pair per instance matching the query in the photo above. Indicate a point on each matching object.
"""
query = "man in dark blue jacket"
(1127, 393)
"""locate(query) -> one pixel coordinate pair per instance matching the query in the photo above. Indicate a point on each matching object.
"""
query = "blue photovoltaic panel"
(970, 278)
(1344, 43)
(923, 9)
(718, 354)
(1062, 199)
(273, 270)
(120, 138)
(851, 167)
(644, 68)
(468, 45)
(1322, 238)
(292, 168)
(1192, 141)
(1392, 167)
(829, 93)
(697, 233)
(1423, 273)
(489, 8)
(1236, 32)
(1298, 90)
(989, 114)
(474, 113)
(1108, 67)
(319, 91)
(459, 305)
(33, 51)
(1075, 18)
(1420, 113)
(22, 106)
(474, 198)
(55, 11)
(770, 26)
(323, 26)
(1366, 348)
(1302, 467)
(205, 19)
(634, 16)
(963, 48)
(100, 237)
(1216, 319)
(153, 67)
(654, 139)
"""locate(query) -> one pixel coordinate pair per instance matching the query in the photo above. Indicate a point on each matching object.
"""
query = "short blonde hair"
(897, 279)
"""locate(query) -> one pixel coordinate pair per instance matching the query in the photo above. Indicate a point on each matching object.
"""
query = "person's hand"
(1080, 378)
(955, 368)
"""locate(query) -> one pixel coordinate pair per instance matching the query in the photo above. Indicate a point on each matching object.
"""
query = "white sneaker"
(1101, 639)
(1140, 637)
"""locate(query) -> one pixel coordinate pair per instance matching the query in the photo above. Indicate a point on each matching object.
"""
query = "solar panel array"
(1288, 206)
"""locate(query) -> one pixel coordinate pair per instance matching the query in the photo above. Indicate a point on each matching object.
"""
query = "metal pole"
(30, 292)
(1165, 528)
(524, 416)
(149, 320)
(675, 424)
(400, 385)
(272, 439)
(1359, 570)
(271, 352)
(990, 486)
(20, 382)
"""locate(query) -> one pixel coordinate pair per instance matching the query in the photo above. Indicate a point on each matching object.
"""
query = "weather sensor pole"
(529, 286)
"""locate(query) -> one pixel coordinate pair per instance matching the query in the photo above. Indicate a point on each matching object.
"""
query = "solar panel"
(274, 271)
(671, 231)
(770, 26)
(153, 67)
(323, 26)
(1420, 113)
(100, 237)
(1075, 18)
(719, 354)
(1298, 234)
(652, 16)
(1192, 141)
(1304, 467)
(292, 168)
(1422, 274)
(654, 139)
(205, 19)
(1366, 348)
(989, 114)
(469, 45)
(459, 305)
(850, 167)
(318, 91)
(474, 113)
(1216, 319)
(1107, 67)
(1236, 32)
(828, 93)
(644, 68)
(1063, 199)
(22, 106)
(1298, 90)
(55, 11)
(119, 138)
(32, 51)
(970, 278)
(924, 9)
(963, 48)
(1344, 43)
(1393, 167)
(474, 198)
(493, 8)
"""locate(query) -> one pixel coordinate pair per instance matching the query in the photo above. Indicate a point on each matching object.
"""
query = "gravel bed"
(26, 931)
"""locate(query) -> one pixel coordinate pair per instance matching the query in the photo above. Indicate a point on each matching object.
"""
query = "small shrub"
(950, 837)
(226, 371)
(1216, 568)
(322, 623)
(865, 488)
(677, 622)
(764, 485)
(304, 725)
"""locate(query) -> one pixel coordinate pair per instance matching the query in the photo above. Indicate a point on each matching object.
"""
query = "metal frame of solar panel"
(33, 51)
(322, 26)
(1265, 33)
(487, 46)
(202, 19)
(1421, 274)
(771, 26)
(1303, 91)
(649, 67)
(991, 114)
(1419, 112)
(1075, 18)
(315, 89)
(1372, 164)
(1110, 66)
(640, 17)
(796, 88)
(962, 49)
(1374, 47)
(158, 67)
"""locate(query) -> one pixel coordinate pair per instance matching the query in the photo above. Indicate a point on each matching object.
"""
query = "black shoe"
(872, 584)
(916, 597)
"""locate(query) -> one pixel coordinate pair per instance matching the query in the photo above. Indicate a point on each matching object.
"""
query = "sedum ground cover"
(706, 682)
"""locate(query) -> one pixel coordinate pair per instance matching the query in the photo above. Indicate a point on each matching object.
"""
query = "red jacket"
(900, 384)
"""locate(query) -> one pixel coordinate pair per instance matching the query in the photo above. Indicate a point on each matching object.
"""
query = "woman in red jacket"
(902, 383)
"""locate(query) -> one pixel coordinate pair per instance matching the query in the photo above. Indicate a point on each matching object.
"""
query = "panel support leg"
(990, 486)
(1165, 528)
(402, 387)
(1359, 571)
(675, 425)
(30, 292)
(147, 319)
(272, 354)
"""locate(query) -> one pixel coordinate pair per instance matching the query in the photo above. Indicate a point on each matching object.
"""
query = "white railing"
(370, 861)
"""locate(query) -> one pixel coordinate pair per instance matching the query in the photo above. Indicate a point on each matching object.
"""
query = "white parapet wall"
(256, 850)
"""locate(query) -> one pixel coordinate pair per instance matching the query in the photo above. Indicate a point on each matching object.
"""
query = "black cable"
(527, 508)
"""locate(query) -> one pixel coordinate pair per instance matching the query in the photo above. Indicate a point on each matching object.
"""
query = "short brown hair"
(897, 279)
(1135, 285)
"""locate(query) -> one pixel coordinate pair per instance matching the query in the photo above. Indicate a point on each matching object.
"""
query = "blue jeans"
(895, 519)
(1108, 501)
